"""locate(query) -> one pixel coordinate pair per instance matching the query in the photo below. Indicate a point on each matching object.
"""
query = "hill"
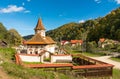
(12, 37)
(91, 30)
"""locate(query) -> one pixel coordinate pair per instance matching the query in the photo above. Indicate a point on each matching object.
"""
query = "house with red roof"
(76, 42)
(64, 42)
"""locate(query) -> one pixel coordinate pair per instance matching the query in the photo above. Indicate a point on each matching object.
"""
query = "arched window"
(30, 52)
(36, 52)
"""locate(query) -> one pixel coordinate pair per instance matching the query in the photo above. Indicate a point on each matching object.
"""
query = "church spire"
(40, 29)
(39, 25)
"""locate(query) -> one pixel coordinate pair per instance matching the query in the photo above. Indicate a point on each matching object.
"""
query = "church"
(41, 48)
(40, 42)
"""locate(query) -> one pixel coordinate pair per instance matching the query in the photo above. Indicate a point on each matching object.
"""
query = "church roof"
(39, 25)
(38, 39)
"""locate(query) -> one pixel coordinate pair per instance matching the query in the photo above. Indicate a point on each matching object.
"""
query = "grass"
(115, 59)
(32, 62)
(93, 54)
(116, 74)
(88, 54)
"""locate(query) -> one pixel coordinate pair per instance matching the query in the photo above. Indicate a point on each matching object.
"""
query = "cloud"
(97, 1)
(26, 11)
(23, 3)
(81, 21)
(118, 1)
(13, 8)
(28, 0)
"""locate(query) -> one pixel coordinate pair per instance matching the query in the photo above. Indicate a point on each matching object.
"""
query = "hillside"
(12, 37)
(91, 30)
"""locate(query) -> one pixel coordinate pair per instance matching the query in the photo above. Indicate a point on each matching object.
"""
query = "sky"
(23, 15)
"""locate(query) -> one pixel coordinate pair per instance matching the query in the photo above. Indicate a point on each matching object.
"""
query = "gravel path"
(107, 60)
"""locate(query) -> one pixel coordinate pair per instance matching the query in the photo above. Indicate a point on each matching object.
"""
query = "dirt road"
(107, 60)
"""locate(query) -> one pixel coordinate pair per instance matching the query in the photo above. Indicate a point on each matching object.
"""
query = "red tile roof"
(76, 41)
(102, 40)
(38, 39)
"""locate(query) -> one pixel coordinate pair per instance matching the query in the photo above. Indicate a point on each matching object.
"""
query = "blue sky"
(23, 14)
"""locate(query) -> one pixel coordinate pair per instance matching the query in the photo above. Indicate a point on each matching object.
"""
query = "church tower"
(39, 29)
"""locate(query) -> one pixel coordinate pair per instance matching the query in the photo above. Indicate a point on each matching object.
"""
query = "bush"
(7, 54)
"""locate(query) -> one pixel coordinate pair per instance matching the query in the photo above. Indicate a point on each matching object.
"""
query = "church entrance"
(47, 57)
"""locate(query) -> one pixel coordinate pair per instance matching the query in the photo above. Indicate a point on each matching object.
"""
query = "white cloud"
(118, 1)
(26, 11)
(81, 21)
(28, 0)
(97, 1)
(11, 8)
(23, 3)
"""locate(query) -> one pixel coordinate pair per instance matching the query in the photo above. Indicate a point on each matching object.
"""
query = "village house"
(105, 42)
(64, 42)
(76, 42)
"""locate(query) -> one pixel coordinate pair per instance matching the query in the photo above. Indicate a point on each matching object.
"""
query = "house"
(106, 42)
(76, 42)
(64, 42)
(101, 42)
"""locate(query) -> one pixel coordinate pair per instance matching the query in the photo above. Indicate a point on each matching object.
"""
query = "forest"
(91, 30)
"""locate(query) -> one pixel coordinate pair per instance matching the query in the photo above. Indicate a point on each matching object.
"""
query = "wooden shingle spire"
(39, 25)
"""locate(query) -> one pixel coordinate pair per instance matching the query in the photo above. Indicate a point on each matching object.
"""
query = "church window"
(30, 52)
(36, 52)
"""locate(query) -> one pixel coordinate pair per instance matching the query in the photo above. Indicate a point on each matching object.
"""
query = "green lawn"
(115, 59)
(32, 62)
(116, 74)
(88, 54)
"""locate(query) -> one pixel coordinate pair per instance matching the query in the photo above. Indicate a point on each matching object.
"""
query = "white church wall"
(55, 58)
(26, 58)
(50, 48)
(32, 48)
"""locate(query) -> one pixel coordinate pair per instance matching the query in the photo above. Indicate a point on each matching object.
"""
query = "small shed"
(3, 43)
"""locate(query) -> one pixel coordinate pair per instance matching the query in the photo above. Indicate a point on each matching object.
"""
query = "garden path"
(108, 60)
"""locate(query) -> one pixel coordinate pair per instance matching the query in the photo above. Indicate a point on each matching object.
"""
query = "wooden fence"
(89, 68)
